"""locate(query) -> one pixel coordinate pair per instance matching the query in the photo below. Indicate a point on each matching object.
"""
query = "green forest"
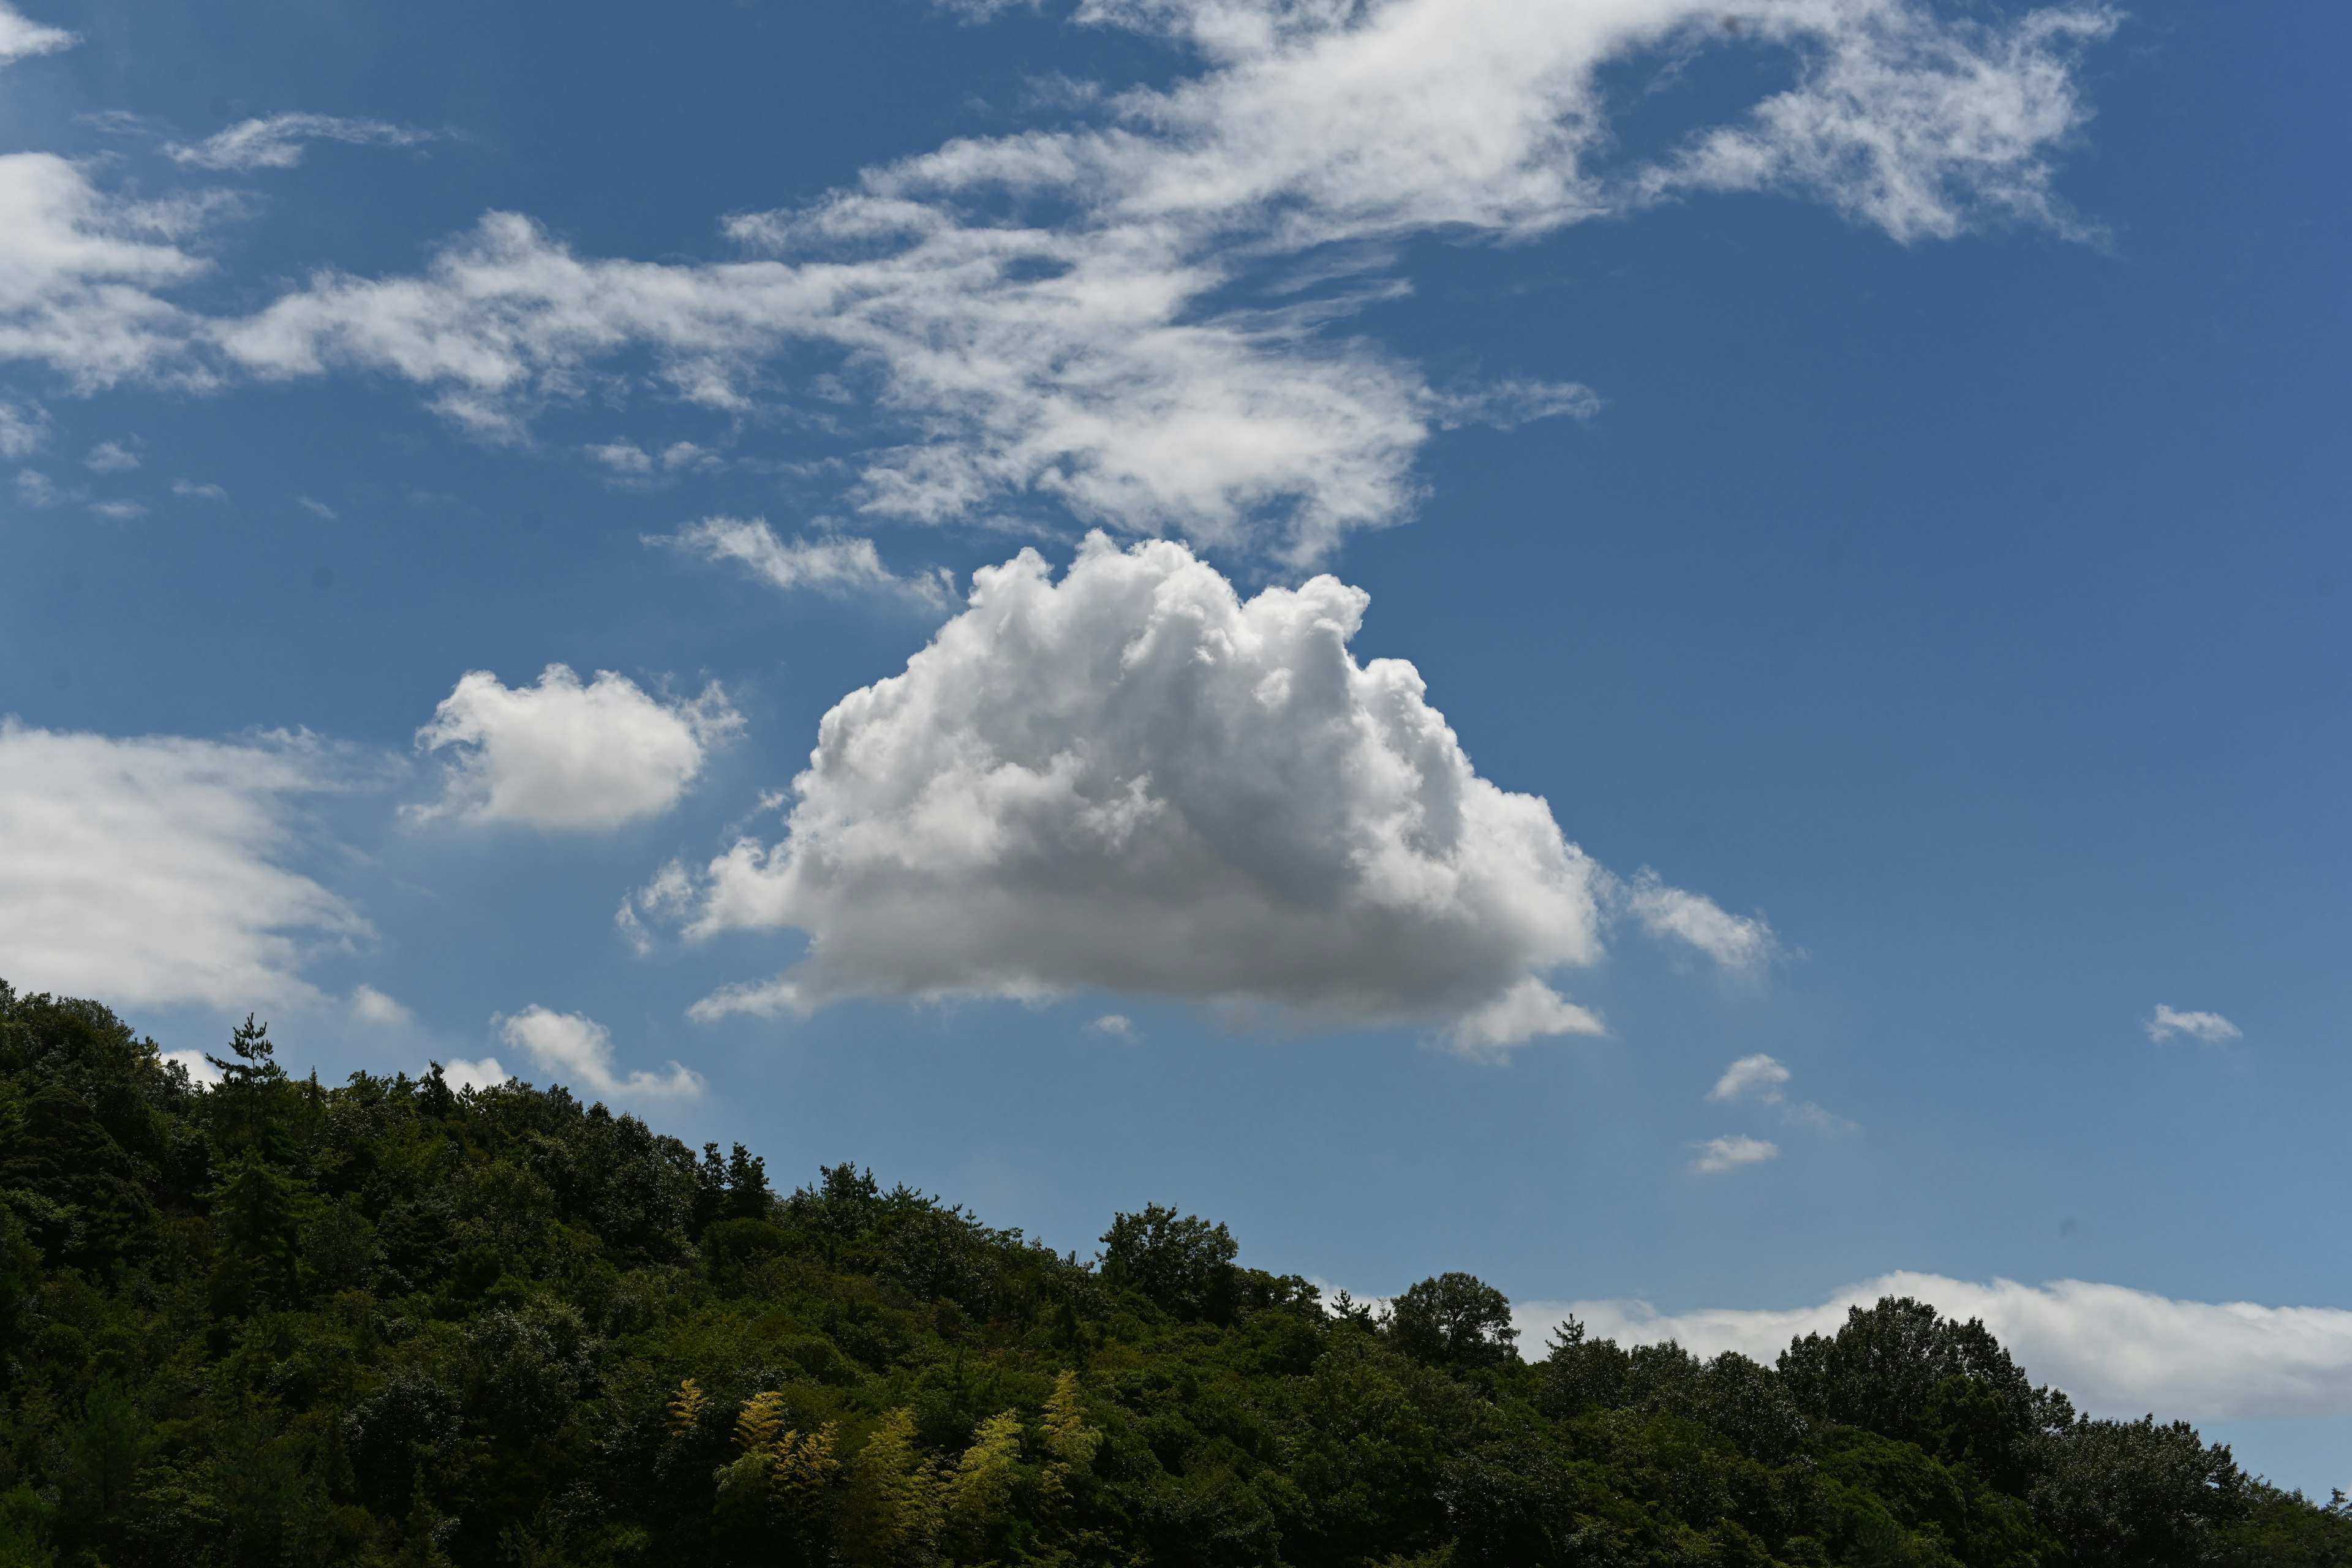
(286, 1323)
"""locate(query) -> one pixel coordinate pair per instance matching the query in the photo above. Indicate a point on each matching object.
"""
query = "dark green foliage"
(279, 1325)
(2135, 1493)
(1181, 1264)
(1454, 1319)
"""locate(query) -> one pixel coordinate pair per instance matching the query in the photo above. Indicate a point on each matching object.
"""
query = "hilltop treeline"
(278, 1323)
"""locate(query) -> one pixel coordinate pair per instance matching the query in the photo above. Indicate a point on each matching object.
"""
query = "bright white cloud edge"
(2114, 1350)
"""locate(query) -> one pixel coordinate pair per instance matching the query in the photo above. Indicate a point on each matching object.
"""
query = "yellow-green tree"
(686, 1410)
(980, 1492)
(1068, 1438)
(891, 1512)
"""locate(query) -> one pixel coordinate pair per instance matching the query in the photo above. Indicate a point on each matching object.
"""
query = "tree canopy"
(391, 1323)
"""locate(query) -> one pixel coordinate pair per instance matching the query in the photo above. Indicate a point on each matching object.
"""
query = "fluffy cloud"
(1134, 778)
(79, 275)
(371, 1006)
(2116, 1351)
(1163, 354)
(1764, 1079)
(2211, 1028)
(152, 871)
(462, 1075)
(582, 1050)
(1720, 1154)
(277, 140)
(1759, 1075)
(560, 754)
(830, 565)
(23, 429)
(21, 37)
(111, 457)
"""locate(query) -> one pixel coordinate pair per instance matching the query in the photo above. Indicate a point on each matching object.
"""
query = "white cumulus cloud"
(277, 140)
(1136, 780)
(1718, 1154)
(582, 1050)
(831, 564)
(2114, 1350)
(2211, 1028)
(561, 755)
(154, 870)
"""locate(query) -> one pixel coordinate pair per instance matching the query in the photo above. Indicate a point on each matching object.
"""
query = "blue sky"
(1864, 466)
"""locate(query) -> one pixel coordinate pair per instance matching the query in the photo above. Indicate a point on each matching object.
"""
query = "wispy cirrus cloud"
(828, 564)
(279, 141)
(1105, 317)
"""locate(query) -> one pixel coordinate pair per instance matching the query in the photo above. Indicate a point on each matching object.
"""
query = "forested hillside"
(278, 1322)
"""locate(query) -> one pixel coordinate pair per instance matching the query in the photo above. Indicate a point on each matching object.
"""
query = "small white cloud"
(1729, 1154)
(760, 998)
(1118, 1025)
(1758, 1075)
(191, 491)
(462, 1075)
(371, 1006)
(111, 458)
(831, 565)
(1761, 1078)
(1528, 1010)
(560, 754)
(34, 489)
(2114, 1350)
(2211, 1028)
(118, 510)
(1735, 942)
(277, 140)
(569, 1042)
(154, 870)
(317, 509)
(624, 457)
(198, 1066)
(23, 427)
(20, 38)
(685, 456)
